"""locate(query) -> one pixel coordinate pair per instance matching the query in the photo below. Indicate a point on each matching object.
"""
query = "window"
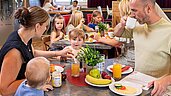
(34, 2)
(69, 0)
(82, 3)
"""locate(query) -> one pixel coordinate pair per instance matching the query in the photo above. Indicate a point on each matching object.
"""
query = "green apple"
(95, 73)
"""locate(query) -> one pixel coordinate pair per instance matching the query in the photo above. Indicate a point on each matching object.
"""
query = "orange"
(52, 68)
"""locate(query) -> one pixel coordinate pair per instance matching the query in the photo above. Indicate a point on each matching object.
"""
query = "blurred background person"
(77, 21)
(74, 6)
(95, 19)
(48, 6)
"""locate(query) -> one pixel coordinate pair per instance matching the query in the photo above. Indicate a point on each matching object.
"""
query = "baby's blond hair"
(37, 71)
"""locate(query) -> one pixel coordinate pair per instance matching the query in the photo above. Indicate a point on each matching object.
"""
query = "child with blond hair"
(37, 75)
(77, 21)
(76, 38)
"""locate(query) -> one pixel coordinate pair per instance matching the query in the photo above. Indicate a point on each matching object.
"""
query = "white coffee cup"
(110, 34)
(131, 22)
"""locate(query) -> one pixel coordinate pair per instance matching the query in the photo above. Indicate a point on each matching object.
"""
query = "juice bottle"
(117, 70)
(56, 79)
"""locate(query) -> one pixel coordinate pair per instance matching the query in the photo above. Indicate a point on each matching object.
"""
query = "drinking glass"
(101, 65)
(75, 69)
(117, 70)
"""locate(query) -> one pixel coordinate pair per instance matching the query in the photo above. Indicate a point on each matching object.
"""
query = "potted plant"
(90, 56)
(102, 28)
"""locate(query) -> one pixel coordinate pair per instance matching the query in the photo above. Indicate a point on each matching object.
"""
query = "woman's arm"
(64, 53)
(9, 71)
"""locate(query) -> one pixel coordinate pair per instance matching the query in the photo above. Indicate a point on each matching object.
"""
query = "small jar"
(56, 79)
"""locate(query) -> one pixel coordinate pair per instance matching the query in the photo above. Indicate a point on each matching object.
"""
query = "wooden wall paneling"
(115, 13)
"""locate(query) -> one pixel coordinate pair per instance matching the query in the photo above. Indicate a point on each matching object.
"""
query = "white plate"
(97, 85)
(59, 68)
(138, 92)
(125, 72)
(90, 42)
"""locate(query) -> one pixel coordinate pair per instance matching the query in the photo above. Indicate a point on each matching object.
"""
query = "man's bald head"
(144, 2)
(143, 10)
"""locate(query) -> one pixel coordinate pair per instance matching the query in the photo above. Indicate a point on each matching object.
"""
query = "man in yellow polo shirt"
(152, 39)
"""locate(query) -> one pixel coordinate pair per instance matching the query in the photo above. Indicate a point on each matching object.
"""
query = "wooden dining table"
(62, 12)
(68, 89)
(97, 45)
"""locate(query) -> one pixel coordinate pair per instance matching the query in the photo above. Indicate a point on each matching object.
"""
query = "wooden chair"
(115, 13)
(46, 42)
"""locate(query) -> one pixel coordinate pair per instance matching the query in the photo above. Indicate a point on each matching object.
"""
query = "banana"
(97, 81)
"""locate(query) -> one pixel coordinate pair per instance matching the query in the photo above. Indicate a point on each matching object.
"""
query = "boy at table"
(76, 38)
(37, 74)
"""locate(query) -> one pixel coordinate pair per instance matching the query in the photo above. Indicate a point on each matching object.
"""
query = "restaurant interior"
(108, 8)
(110, 17)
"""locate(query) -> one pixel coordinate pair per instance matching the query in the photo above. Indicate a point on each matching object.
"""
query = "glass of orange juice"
(75, 69)
(117, 70)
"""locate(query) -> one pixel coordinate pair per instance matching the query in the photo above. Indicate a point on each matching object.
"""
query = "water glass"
(101, 65)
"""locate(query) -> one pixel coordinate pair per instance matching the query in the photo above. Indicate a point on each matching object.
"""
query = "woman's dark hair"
(31, 16)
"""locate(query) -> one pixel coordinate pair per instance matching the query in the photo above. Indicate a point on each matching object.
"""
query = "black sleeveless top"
(14, 41)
